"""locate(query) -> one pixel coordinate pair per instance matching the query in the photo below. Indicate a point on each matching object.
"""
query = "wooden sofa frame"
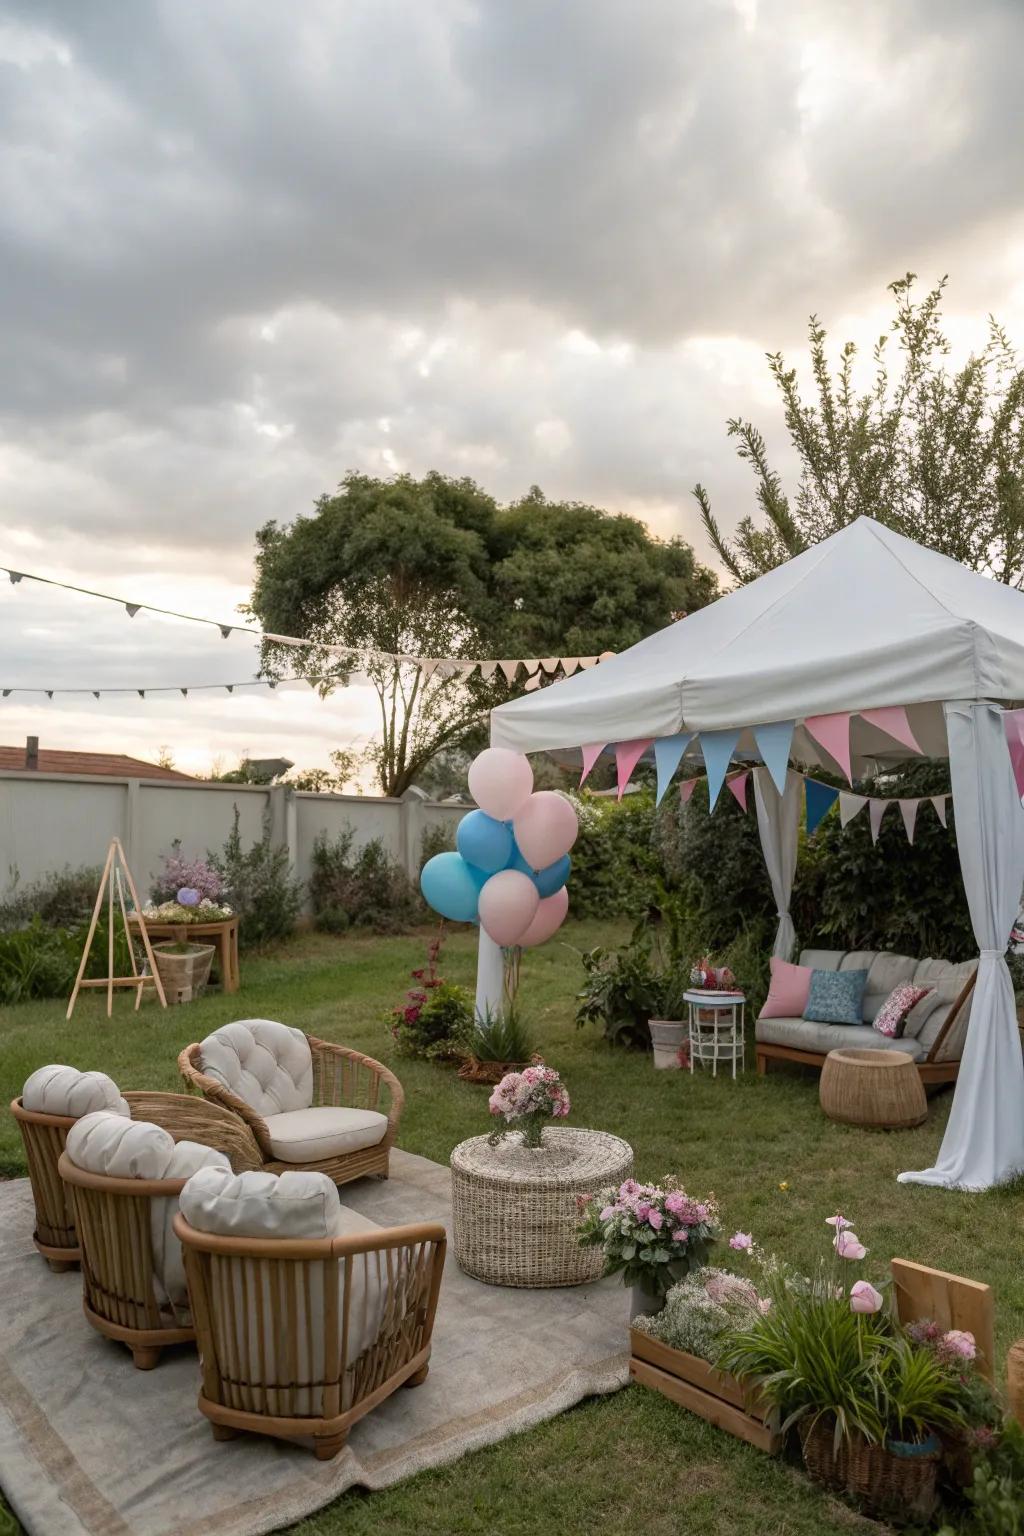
(342, 1077)
(410, 1260)
(932, 1072)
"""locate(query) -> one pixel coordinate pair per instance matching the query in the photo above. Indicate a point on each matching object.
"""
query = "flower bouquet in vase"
(526, 1101)
(652, 1235)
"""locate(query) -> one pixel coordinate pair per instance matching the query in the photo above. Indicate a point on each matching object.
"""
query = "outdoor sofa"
(935, 1029)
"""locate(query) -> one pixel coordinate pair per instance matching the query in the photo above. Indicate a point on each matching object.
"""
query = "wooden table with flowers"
(223, 934)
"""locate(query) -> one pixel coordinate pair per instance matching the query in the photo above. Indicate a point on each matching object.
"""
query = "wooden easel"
(115, 874)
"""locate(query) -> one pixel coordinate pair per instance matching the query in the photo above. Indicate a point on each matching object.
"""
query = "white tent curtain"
(984, 1140)
(778, 821)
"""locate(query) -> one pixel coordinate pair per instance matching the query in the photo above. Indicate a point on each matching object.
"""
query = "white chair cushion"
(57, 1090)
(289, 1205)
(264, 1063)
(308, 1135)
(107, 1144)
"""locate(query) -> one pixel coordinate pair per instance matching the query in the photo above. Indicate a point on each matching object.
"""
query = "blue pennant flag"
(718, 748)
(820, 800)
(773, 743)
(668, 752)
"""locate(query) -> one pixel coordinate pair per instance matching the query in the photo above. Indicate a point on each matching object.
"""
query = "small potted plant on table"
(652, 1235)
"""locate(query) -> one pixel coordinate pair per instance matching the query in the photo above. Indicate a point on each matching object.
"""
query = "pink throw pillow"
(891, 1018)
(787, 995)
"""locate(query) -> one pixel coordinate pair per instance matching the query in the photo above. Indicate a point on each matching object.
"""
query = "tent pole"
(489, 977)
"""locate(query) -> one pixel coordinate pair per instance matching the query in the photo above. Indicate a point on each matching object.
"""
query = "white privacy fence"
(50, 820)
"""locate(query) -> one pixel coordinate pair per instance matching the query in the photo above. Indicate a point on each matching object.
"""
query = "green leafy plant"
(362, 887)
(59, 900)
(620, 991)
(502, 1035)
(995, 1497)
(436, 1019)
(264, 893)
(651, 1234)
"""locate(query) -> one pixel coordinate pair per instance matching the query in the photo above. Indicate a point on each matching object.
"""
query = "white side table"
(716, 1028)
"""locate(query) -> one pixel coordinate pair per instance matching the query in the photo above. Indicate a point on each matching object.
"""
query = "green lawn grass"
(762, 1145)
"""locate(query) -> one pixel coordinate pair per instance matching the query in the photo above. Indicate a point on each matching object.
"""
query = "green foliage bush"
(614, 863)
(60, 899)
(438, 838)
(264, 893)
(715, 865)
(364, 888)
(40, 961)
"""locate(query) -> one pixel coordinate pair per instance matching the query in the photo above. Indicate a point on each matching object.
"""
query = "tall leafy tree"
(936, 454)
(432, 567)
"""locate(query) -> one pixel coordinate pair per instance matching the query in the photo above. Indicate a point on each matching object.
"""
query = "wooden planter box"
(692, 1383)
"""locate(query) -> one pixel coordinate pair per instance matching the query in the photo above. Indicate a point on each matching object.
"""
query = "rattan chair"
(184, 1116)
(133, 1282)
(300, 1337)
(331, 1077)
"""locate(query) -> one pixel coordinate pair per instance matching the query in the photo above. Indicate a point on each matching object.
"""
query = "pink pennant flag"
(833, 733)
(686, 789)
(908, 810)
(876, 810)
(591, 754)
(487, 668)
(627, 755)
(939, 802)
(532, 682)
(893, 721)
(569, 665)
(1013, 725)
(738, 785)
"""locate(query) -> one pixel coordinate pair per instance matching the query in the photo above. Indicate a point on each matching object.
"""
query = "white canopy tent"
(865, 620)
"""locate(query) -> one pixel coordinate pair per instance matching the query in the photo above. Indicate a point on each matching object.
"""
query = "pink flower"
(741, 1241)
(630, 1187)
(675, 1202)
(837, 1221)
(959, 1342)
(702, 1212)
(864, 1298)
(655, 1219)
(608, 1212)
(643, 1210)
(680, 1235)
(848, 1245)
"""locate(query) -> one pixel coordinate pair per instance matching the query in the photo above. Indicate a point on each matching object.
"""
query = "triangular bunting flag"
(569, 665)
(738, 785)
(850, 806)
(531, 667)
(893, 721)
(773, 743)
(876, 810)
(587, 661)
(95, 693)
(939, 802)
(833, 733)
(550, 664)
(718, 748)
(131, 609)
(225, 631)
(686, 789)
(532, 682)
(820, 800)
(428, 667)
(627, 755)
(487, 669)
(510, 669)
(668, 752)
(591, 754)
(908, 810)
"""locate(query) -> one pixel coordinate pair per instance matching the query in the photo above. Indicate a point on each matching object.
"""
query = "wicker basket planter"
(884, 1480)
(473, 1070)
(184, 973)
(713, 1395)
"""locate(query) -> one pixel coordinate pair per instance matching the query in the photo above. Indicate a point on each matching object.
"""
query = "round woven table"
(515, 1209)
(882, 1089)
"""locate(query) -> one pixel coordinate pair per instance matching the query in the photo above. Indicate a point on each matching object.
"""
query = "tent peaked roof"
(862, 620)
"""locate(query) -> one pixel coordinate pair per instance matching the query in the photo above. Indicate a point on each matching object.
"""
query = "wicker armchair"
(300, 1336)
(297, 1094)
(185, 1117)
(133, 1279)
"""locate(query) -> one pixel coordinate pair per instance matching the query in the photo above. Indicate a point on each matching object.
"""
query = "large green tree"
(433, 567)
(936, 454)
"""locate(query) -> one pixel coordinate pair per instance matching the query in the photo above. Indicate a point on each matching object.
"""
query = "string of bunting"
(537, 668)
(183, 689)
(774, 741)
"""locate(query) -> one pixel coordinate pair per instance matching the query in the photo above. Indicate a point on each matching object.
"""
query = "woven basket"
(184, 975)
(870, 1472)
(473, 1070)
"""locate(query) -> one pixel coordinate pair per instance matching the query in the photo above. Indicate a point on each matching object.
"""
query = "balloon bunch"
(513, 860)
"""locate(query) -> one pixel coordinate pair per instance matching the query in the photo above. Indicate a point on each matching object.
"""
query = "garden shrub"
(60, 899)
(436, 1019)
(715, 865)
(39, 961)
(264, 893)
(614, 865)
(365, 888)
(438, 838)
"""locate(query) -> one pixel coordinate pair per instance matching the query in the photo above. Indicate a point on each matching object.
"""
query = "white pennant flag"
(939, 802)
(428, 666)
(876, 810)
(487, 668)
(850, 806)
(908, 810)
(570, 664)
(510, 669)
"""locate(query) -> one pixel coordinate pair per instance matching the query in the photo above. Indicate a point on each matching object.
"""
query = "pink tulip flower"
(848, 1245)
(837, 1221)
(741, 1241)
(864, 1298)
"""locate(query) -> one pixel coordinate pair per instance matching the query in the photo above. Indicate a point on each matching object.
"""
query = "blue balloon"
(448, 886)
(550, 880)
(484, 842)
(518, 862)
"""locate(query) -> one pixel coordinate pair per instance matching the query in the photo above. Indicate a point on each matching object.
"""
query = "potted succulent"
(652, 1235)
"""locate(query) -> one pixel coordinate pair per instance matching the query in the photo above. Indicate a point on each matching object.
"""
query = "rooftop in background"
(107, 765)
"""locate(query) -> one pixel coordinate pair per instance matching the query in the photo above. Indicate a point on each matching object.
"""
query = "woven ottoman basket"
(515, 1208)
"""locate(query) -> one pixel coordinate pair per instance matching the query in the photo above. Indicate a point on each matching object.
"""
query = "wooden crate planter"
(692, 1383)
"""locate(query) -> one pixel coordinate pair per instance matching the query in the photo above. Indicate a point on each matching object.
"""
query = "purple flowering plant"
(652, 1234)
(179, 875)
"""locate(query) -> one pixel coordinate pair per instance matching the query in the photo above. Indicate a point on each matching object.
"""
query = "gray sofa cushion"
(886, 971)
(803, 1035)
(822, 959)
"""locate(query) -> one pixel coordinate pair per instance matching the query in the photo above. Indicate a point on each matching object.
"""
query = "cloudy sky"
(246, 246)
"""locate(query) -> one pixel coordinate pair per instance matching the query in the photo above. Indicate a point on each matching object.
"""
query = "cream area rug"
(91, 1447)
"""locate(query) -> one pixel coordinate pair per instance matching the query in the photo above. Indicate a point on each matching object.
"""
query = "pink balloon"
(550, 917)
(545, 828)
(500, 782)
(508, 905)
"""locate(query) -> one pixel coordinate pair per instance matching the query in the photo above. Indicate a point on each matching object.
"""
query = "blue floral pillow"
(836, 997)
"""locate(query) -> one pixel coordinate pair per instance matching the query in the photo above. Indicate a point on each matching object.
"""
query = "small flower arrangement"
(699, 1308)
(187, 907)
(178, 874)
(652, 1234)
(526, 1100)
(712, 978)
